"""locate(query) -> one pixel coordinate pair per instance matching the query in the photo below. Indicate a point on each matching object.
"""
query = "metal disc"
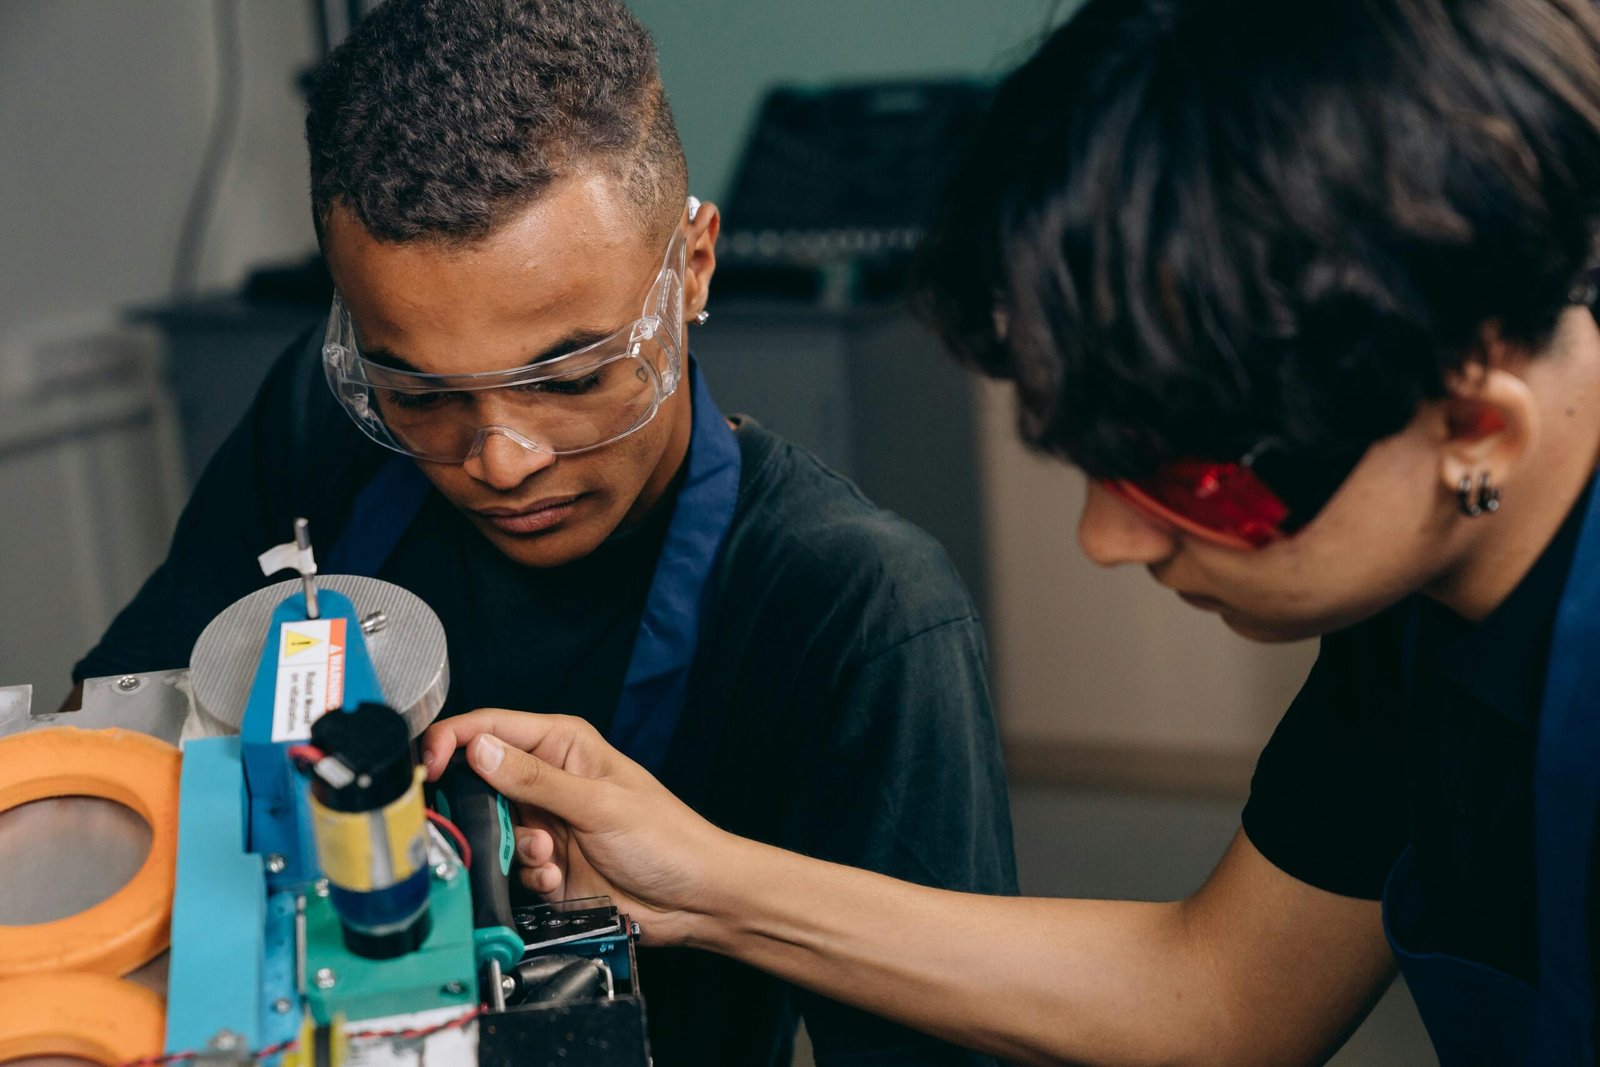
(408, 651)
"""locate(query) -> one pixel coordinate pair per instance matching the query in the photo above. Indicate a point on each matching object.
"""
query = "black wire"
(224, 127)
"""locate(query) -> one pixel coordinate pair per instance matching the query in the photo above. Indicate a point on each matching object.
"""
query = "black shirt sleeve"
(1327, 803)
(244, 504)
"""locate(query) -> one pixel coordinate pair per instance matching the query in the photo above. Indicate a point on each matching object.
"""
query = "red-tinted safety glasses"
(1245, 504)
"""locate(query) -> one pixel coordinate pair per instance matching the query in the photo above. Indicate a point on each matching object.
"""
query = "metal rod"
(497, 989)
(308, 582)
(300, 944)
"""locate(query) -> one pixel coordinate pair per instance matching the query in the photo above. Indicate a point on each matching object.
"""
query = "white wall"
(104, 111)
(105, 108)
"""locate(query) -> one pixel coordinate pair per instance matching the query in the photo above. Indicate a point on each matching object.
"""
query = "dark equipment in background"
(836, 185)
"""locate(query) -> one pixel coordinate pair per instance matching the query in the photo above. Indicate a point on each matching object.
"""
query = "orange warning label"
(310, 676)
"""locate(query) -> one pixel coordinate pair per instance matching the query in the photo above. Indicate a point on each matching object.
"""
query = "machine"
(324, 907)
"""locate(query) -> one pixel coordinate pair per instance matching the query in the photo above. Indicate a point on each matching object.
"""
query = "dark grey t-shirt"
(837, 705)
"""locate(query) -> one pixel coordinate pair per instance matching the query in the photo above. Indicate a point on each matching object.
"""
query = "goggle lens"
(593, 405)
(1225, 503)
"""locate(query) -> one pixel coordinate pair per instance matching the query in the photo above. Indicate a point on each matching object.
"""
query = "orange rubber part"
(134, 925)
(76, 1014)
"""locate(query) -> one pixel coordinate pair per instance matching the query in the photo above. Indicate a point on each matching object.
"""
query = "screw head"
(325, 978)
(225, 1041)
(276, 864)
(282, 1005)
(371, 624)
(321, 887)
(128, 683)
(455, 988)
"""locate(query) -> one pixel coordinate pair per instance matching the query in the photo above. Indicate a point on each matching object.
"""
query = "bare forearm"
(1255, 968)
(1035, 981)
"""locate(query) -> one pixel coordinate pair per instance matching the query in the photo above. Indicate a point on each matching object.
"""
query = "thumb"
(527, 779)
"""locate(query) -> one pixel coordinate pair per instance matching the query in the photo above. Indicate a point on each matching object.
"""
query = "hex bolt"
(326, 978)
(282, 1005)
(128, 683)
(276, 864)
(371, 624)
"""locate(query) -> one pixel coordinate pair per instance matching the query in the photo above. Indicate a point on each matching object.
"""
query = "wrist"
(728, 893)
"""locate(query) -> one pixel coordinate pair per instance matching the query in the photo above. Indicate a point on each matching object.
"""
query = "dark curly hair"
(1188, 226)
(437, 119)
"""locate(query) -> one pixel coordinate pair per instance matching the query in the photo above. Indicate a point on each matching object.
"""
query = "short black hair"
(1188, 226)
(438, 119)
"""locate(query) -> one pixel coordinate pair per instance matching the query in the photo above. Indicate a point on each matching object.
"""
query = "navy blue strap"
(384, 509)
(658, 671)
(1566, 798)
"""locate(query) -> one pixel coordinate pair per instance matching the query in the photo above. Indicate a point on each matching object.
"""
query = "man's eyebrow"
(566, 346)
(385, 358)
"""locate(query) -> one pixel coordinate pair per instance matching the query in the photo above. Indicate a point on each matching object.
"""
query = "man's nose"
(1112, 531)
(502, 463)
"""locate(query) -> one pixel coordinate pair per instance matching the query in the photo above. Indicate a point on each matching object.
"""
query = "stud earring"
(702, 318)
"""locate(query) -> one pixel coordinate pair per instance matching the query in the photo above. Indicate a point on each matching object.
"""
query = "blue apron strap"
(658, 672)
(384, 508)
(1566, 795)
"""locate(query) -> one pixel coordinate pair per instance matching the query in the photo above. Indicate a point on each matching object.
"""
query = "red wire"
(306, 754)
(450, 828)
(357, 1035)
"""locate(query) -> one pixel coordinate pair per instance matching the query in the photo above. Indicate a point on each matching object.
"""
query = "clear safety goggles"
(571, 403)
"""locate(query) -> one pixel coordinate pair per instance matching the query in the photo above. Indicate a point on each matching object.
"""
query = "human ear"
(1491, 429)
(700, 258)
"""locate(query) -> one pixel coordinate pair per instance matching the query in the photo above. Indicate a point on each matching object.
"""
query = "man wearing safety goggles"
(501, 414)
(1305, 289)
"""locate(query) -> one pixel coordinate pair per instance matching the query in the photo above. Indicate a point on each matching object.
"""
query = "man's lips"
(537, 517)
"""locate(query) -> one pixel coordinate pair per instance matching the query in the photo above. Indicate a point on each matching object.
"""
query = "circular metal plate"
(408, 652)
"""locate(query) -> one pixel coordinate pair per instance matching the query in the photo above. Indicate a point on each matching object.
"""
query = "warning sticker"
(310, 676)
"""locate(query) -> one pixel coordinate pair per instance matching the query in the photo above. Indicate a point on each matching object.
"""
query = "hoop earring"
(1486, 500)
(1488, 495)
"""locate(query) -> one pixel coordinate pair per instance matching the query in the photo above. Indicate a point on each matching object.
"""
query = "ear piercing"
(700, 319)
(1486, 499)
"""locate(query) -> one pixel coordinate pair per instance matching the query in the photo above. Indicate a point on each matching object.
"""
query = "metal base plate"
(408, 650)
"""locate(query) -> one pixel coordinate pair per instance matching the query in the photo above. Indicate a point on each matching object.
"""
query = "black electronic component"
(367, 815)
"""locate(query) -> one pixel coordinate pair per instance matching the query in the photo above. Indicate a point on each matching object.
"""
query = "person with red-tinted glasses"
(1301, 288)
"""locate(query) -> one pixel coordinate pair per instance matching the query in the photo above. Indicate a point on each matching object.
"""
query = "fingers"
(566, 741)
(527, 779)
(545, 879)
(535, 848)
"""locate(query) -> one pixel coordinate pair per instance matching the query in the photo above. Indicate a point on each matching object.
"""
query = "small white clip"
(694, 207)
(287, 557)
